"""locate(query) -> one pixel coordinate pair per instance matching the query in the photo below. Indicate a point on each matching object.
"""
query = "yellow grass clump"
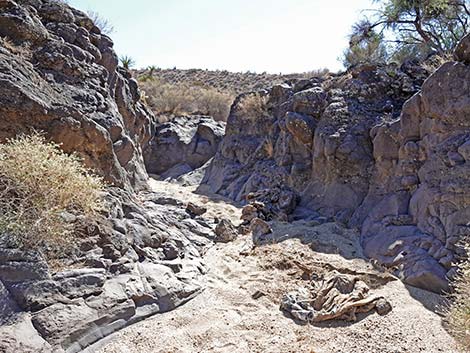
(39, 187)
(458, 313)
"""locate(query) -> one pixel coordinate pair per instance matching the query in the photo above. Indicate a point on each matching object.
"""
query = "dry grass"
(182, 99)
(458, 314)
(435, 62)
(253, 106)
(39, 186)
(102, 23)
(22, 50)
(173, 92)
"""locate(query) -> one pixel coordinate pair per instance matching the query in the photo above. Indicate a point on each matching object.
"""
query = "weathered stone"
(95, 114)
(363, 151)
(195, 210)
(184, 143)
(259, 229)
(225, 231)
(382, 307)
(462, 51)
(249, 212)
(19, 335)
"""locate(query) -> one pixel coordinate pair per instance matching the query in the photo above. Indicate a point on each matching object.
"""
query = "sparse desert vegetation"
(40, 187)
(180, 92)
(253, 105)
(102, 23)
(325, 215)
(167, 100)
(223, 80)
(458, 314)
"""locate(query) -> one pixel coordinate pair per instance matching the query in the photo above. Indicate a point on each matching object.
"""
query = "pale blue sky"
(237, 35)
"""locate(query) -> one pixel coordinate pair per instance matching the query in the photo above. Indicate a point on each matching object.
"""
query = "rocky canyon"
(327, 214)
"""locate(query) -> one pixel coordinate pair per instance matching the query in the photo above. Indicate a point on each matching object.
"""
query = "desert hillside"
(174, 92)
(222, 80)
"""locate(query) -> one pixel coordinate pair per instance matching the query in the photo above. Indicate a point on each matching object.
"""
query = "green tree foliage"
(365, 46)
(410, 29)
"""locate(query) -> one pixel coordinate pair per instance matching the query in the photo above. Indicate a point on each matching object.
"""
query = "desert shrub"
(127, 62)
(232, 83)
(166, 99)
(458, 313)
(39, 186)
(253, 106)
(315, 73)
(102, 23)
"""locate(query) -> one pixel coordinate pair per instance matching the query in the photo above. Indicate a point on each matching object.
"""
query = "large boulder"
(183, 144)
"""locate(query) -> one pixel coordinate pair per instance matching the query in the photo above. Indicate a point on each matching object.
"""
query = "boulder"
(259, 228)
(225, 231)
(183, 144)
(196, 210)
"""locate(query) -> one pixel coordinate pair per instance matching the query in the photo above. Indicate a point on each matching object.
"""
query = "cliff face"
(343, 148)
(60, 75)
(142, 254)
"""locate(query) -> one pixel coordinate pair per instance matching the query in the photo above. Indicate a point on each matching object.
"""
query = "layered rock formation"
(342, 148)
(59, 74)
(143, 258)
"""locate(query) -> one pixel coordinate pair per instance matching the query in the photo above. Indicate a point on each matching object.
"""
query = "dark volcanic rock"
(183, 144)
(142, 254)
(225, 231)
(59, 75)
(346, 148)
(143, 258)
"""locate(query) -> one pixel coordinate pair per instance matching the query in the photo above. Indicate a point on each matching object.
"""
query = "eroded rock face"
(60, 75)
(183, 144)
(144, 257)
(419, 199)
(343, 147)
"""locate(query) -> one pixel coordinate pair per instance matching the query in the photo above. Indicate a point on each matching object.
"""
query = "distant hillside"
(171, 92)
(223, 80)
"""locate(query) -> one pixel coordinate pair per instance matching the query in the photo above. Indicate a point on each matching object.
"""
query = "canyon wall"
(142, 254)
(366, 148)
(59, 74)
